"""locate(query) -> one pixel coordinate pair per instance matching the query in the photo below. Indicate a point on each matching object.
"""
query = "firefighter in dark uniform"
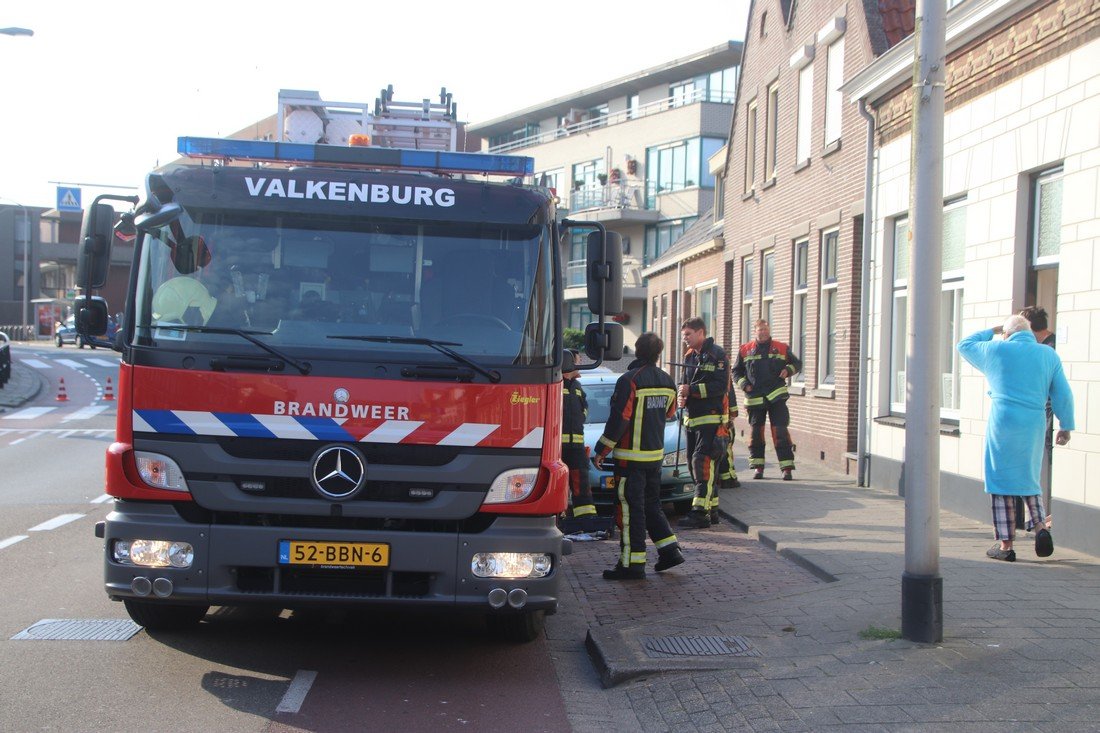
(573, 453)
(727, 474)
(703, 390)
(643, 401)
(762, 369)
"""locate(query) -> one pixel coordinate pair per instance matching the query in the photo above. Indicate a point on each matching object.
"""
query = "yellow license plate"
(348, 554)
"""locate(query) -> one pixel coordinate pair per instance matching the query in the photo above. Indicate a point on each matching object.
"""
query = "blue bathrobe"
(1022, 375)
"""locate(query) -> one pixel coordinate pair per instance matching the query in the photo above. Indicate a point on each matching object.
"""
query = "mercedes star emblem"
(339, 472)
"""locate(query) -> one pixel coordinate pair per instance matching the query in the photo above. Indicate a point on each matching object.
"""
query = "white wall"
(992, 144)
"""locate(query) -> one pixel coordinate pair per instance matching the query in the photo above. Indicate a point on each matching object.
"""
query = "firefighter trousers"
(706, 444)
(580, 493)
(780, 418)
(639, 493)
(726, 472)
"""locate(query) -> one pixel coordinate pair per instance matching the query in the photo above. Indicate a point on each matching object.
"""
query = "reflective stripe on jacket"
(574, 411)
(707, 374)
(643, 401)
(759, 365)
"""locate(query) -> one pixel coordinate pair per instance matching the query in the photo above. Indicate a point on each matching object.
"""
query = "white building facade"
(1021, 227)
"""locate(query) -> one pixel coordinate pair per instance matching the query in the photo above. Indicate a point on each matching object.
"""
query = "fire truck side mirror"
(91, 316)
(605, 273)
(605, 344)
(96, 233)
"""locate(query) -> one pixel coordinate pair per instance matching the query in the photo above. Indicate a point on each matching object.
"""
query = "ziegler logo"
(518, 399)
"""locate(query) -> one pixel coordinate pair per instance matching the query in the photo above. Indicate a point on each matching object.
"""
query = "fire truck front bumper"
(512, 565)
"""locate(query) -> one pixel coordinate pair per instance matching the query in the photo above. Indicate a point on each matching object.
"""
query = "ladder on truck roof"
(305, 118)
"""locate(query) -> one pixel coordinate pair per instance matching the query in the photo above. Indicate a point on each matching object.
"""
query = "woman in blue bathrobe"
(1022, 375)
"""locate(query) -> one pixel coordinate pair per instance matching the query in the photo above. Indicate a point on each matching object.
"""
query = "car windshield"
(307, 285)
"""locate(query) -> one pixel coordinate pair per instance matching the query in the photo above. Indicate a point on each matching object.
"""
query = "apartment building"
(631, 153)
(793, 205)
(1021, 163)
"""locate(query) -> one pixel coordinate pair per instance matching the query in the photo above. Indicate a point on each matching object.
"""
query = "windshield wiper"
(303, 367)
(443, 347)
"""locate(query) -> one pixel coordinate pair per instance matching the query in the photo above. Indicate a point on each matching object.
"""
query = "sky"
(102, 90)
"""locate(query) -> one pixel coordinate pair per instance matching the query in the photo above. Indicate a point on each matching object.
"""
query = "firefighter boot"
(759, 473)
(668, 557)
(634, 572)
(714, 518)
(695, 519)
(787, 474)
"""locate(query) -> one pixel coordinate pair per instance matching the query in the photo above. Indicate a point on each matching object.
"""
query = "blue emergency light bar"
(435, 161)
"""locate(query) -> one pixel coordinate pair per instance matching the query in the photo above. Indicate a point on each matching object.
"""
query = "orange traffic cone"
(61, 396)
(108, 391)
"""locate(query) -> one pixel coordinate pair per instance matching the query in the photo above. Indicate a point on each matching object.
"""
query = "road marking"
(29, 413)
(103, 499)
(36, 364)
(296, 693)
(55, 522)
(85, 412)
(12, 540)
(66, 434)
(71, 363)
(103, 362)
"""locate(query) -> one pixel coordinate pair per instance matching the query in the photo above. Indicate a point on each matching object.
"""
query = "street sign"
(68, 199)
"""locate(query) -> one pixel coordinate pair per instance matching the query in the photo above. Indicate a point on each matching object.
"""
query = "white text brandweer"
(331, 409)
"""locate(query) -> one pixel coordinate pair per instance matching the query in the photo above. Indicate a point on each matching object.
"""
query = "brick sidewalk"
(1021, 648)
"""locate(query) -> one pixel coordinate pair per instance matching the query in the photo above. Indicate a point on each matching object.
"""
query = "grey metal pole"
(864, 380)
(922, 586)
(26, 267)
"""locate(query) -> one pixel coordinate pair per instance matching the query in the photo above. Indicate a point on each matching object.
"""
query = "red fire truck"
(340, 381)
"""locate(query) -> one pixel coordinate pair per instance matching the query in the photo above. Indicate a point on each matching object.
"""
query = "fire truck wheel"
(516, 627)
(58, 341)
(164, 616)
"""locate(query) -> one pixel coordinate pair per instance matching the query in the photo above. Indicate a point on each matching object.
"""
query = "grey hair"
(1015, 323)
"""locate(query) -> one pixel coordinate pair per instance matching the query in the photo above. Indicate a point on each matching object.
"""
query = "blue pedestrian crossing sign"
(68, 199)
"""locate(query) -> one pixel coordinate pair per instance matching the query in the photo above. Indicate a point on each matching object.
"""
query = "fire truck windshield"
(311, 286)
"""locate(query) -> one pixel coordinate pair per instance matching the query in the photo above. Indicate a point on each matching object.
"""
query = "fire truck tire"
(164, 616)
(518, 628)
(58, 341)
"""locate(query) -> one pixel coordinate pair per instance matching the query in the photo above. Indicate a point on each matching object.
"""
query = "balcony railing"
(615, 118)
(612, 196)
(575, 273)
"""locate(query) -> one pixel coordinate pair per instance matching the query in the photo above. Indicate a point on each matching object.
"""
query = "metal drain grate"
(94, 629)
(698, 646)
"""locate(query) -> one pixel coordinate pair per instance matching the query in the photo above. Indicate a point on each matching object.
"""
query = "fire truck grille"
(303, 450)
(301, 488)
(344, 583)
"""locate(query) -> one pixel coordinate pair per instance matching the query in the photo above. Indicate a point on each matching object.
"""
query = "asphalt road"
(241, 669)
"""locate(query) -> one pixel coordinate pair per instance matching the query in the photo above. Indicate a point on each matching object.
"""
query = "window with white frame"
(771, 133)
(747, 278)
(654, 317)
(830, 244)
(750, 145)
(954, 258)
(834, 100)
(578, 316)
(664, 317)
(706, 306)
(805, 114)
(1046, 218)
(799, 299)
(767, 285)
(719, 198)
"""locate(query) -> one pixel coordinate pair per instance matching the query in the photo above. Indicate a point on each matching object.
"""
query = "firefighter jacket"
(644, 400)
(574, 411)
(706, 372)
(759, 365)
(731, 400)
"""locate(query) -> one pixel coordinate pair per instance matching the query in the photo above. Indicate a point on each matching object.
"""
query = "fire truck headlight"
(154, 553)
(511, 486)
(511, 565)
(160, 472)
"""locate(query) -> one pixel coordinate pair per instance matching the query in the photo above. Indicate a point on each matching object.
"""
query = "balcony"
(613, 202)
(576, 284)
(614, 118)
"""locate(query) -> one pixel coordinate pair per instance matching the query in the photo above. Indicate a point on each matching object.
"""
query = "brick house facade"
(794, 191)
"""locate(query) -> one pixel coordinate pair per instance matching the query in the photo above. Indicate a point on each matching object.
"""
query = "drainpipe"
(863, 396)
